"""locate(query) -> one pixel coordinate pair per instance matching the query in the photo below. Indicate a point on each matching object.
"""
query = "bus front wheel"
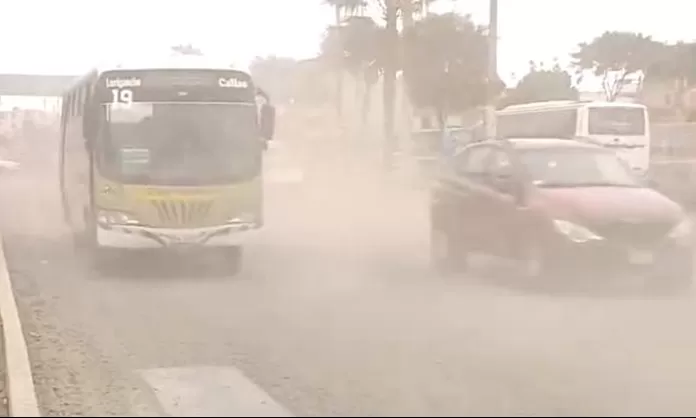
(104, 260)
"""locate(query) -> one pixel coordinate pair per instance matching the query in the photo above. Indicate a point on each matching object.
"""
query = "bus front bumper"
(141, 237)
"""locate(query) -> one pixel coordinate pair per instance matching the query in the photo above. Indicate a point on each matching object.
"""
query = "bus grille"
(182, 213)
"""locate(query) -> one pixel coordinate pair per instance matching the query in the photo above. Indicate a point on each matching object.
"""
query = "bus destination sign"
(175, 85)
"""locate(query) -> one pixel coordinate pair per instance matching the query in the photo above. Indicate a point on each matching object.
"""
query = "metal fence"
(673, 160)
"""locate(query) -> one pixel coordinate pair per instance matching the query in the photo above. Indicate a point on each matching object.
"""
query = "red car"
(559, 206)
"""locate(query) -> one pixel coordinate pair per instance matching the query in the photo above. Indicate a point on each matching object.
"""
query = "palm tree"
(342, 10)
(386, 62)
(362, 56)
(392, 9)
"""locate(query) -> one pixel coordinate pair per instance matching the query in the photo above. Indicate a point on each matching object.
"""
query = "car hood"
(606, 204)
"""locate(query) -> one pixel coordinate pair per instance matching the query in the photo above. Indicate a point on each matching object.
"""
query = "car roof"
(542, 143)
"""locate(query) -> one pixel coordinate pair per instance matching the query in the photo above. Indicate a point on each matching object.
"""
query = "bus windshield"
(180, 143)
(616, 121)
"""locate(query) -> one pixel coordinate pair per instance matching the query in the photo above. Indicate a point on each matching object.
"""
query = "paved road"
(335, 314)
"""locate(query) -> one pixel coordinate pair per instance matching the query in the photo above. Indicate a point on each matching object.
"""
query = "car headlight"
(574, 232)
(683, 229)
(108, 217)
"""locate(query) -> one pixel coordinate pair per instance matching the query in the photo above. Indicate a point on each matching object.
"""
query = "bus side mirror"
(267, 123)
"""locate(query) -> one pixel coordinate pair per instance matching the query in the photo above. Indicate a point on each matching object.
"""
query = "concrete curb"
(20, 383)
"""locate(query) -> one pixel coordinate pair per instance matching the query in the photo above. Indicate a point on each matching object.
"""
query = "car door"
(458, 197)
(499, 203)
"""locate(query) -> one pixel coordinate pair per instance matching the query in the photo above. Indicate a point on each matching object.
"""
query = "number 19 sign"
(121, 89)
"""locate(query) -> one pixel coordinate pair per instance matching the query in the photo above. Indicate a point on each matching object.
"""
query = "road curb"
(19, 381)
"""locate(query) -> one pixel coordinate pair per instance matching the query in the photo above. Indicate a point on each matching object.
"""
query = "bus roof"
(167, 62)
(565, 104)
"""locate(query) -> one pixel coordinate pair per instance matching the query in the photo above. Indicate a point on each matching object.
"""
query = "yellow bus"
(163, 156)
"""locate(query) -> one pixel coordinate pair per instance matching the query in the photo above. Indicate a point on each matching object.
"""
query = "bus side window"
(80, 101)
(560, 123)
(509, 126)
(73, 104)
(65, 106)
(502, 127)
(89, 118)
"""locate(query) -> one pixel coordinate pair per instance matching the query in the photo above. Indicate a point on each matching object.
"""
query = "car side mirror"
(509, 184)
(267, 122)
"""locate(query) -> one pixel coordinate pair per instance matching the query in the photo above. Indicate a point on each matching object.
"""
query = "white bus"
(621, 126)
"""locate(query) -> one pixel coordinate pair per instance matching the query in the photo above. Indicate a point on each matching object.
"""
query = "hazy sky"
(68, 36)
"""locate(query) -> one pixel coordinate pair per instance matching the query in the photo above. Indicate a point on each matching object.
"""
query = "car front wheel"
(679, 278)
(446, 255)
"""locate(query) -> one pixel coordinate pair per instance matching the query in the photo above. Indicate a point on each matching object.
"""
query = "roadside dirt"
(4, 409)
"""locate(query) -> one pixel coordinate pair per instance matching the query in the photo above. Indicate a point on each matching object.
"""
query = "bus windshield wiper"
(585, 184)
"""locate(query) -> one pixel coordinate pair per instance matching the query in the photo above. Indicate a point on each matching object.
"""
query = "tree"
(542, 84)
(446, 62)
(389, 69)
(357, 47)
(342, 10)
(187, 49)
(346, 8)
(675, 64)
(363, 55)
(388, 62)
(614, 56)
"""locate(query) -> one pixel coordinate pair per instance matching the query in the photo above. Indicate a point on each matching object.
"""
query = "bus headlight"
(575, 232)
(683, 230)
(108, 217)
(243, 218)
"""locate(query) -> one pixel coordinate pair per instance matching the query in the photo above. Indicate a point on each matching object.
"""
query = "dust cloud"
(350, 308)
(325, 181)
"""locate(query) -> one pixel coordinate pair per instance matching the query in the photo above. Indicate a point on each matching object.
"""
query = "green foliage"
(445, 62)
(347, 6)
(616, 55)
(542, 84)
(674, 62)
(363, 44)
(357, 46)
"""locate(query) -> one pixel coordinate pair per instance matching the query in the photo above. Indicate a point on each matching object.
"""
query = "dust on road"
(337, 314)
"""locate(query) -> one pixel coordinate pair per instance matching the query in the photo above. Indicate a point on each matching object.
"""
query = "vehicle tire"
(103, 260)
(677, 282)
(538, 266)
(446, 256)
(232, 259)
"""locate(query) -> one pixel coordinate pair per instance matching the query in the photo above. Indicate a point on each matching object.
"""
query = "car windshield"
(566, 167)
(616, 121)
(180, 143)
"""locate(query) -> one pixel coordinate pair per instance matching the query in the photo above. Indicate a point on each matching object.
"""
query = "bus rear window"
(616, 121)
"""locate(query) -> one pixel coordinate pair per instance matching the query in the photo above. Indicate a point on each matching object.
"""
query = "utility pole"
(389, 80)
(492, 69)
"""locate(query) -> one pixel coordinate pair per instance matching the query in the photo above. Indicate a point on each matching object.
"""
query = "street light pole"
(492, 69)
